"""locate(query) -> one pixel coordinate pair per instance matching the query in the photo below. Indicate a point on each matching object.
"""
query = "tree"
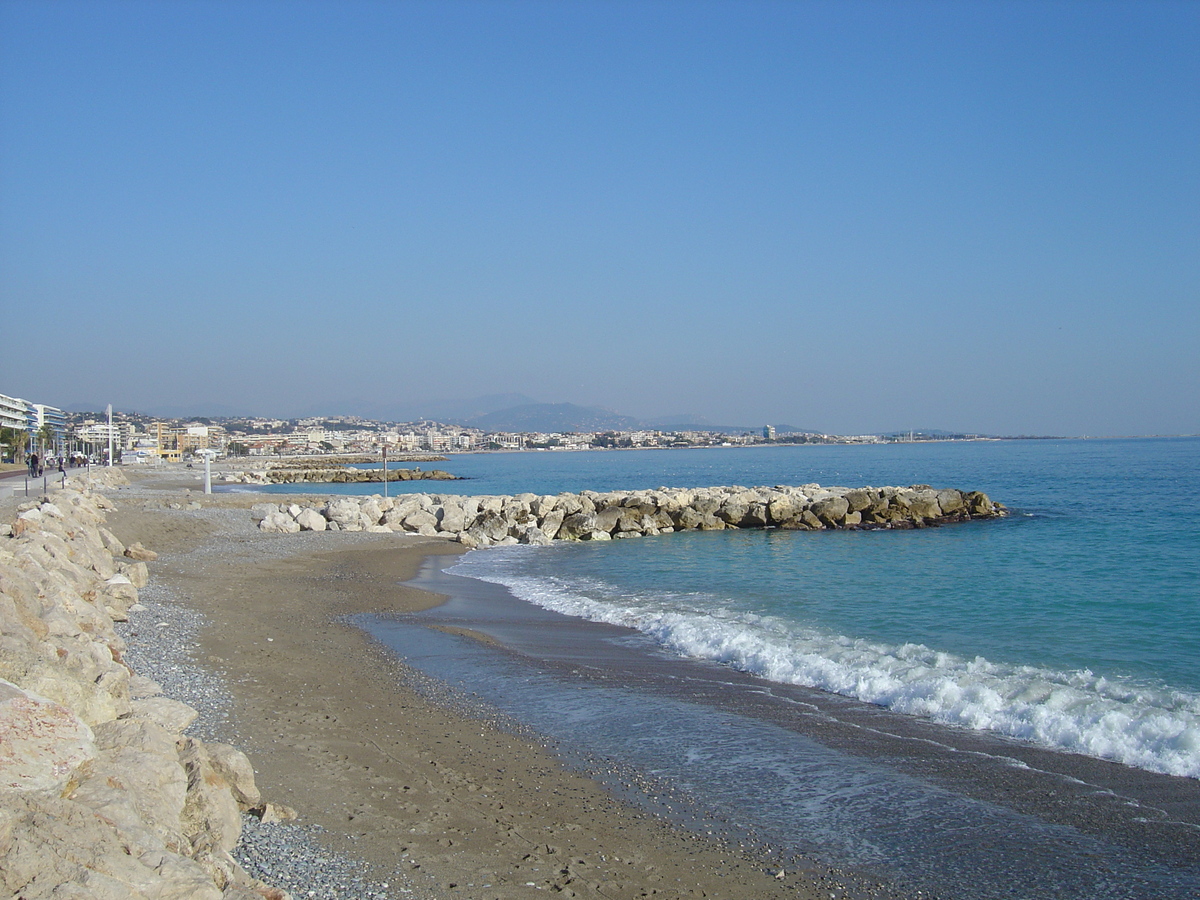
(8, 437)
(15, 440)
(46, 437)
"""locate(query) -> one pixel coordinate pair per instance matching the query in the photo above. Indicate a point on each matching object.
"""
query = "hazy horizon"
(857, 217)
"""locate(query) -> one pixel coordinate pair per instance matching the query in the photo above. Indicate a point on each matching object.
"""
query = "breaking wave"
(1136, 724)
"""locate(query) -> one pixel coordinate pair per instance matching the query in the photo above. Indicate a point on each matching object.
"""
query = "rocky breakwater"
(340, 475)
(593, 516)
(102, 795)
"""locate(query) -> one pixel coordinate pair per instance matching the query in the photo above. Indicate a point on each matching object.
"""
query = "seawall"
(102, 794)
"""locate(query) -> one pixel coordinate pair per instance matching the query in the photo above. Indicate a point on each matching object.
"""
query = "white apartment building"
(14, 413)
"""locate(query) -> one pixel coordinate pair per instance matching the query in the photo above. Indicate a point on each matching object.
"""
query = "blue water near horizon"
(1074, 623)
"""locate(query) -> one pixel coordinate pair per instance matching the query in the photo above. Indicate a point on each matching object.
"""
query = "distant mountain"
(554, 417)
(451, 411)
(208, 410)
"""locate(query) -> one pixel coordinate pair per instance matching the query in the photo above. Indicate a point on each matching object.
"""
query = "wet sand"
(453, 801)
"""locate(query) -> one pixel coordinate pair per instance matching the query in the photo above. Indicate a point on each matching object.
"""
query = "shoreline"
(1031, 809)
(415, 788)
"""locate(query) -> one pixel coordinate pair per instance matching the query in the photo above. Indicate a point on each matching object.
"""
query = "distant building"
(14, 413)
(94, 436)
(53, 417)
(768, 432)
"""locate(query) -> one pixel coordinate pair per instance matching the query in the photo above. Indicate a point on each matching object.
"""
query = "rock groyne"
(102, 795)
(593, 516)
(292, 475)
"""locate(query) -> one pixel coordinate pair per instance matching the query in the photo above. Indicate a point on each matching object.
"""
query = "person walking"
(33, 464)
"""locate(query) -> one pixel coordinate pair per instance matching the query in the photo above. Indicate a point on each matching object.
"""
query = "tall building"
(14, 413)
(55, 418)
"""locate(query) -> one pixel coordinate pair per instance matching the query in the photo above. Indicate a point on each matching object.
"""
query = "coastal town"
(134, 438)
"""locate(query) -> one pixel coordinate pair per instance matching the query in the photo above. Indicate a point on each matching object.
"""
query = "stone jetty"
(593, 516)
(102, 795)
(334, 476)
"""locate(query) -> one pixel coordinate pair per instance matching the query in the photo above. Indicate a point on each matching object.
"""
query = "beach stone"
(138, 552)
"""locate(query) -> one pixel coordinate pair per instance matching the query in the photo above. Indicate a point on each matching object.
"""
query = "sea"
(990, 709)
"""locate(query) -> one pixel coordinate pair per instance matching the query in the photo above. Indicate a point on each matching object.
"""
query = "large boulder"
(420, 519)
(606, 519)
(551, 523)
(210, 818)
(577, 526)
(831, 511)
(42, 743)
(450, 517)
(979, 504)
(344, 511)
(279, 522)
(311, 520)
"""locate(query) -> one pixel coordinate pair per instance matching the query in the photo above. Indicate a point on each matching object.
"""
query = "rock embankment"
(102, 795)
(306, 475)
(593, 516)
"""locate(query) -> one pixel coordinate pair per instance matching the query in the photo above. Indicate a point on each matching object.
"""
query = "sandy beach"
(443, 800)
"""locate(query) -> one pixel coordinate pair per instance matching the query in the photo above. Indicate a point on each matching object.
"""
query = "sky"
(845, 216)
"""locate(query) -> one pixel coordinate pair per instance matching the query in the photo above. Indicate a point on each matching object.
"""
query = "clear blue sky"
(849, 216)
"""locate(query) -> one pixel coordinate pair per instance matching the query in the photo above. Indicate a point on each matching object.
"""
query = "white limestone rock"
(42, 743)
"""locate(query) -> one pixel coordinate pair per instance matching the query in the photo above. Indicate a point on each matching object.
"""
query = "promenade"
(19, 484)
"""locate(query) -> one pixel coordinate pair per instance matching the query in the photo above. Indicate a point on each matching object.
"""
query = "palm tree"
(16, 439)
(46, 437)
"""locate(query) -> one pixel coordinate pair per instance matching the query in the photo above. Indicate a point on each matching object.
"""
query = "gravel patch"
(290, 856)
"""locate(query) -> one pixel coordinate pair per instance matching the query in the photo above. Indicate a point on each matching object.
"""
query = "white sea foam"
(1135, 724)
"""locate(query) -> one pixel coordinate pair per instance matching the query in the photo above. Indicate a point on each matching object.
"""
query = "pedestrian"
(33, 464)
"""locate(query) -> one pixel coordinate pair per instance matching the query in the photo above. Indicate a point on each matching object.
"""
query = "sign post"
(208, 455)
(385, 486)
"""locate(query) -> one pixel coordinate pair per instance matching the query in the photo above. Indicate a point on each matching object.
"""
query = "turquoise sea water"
(1074, 624)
